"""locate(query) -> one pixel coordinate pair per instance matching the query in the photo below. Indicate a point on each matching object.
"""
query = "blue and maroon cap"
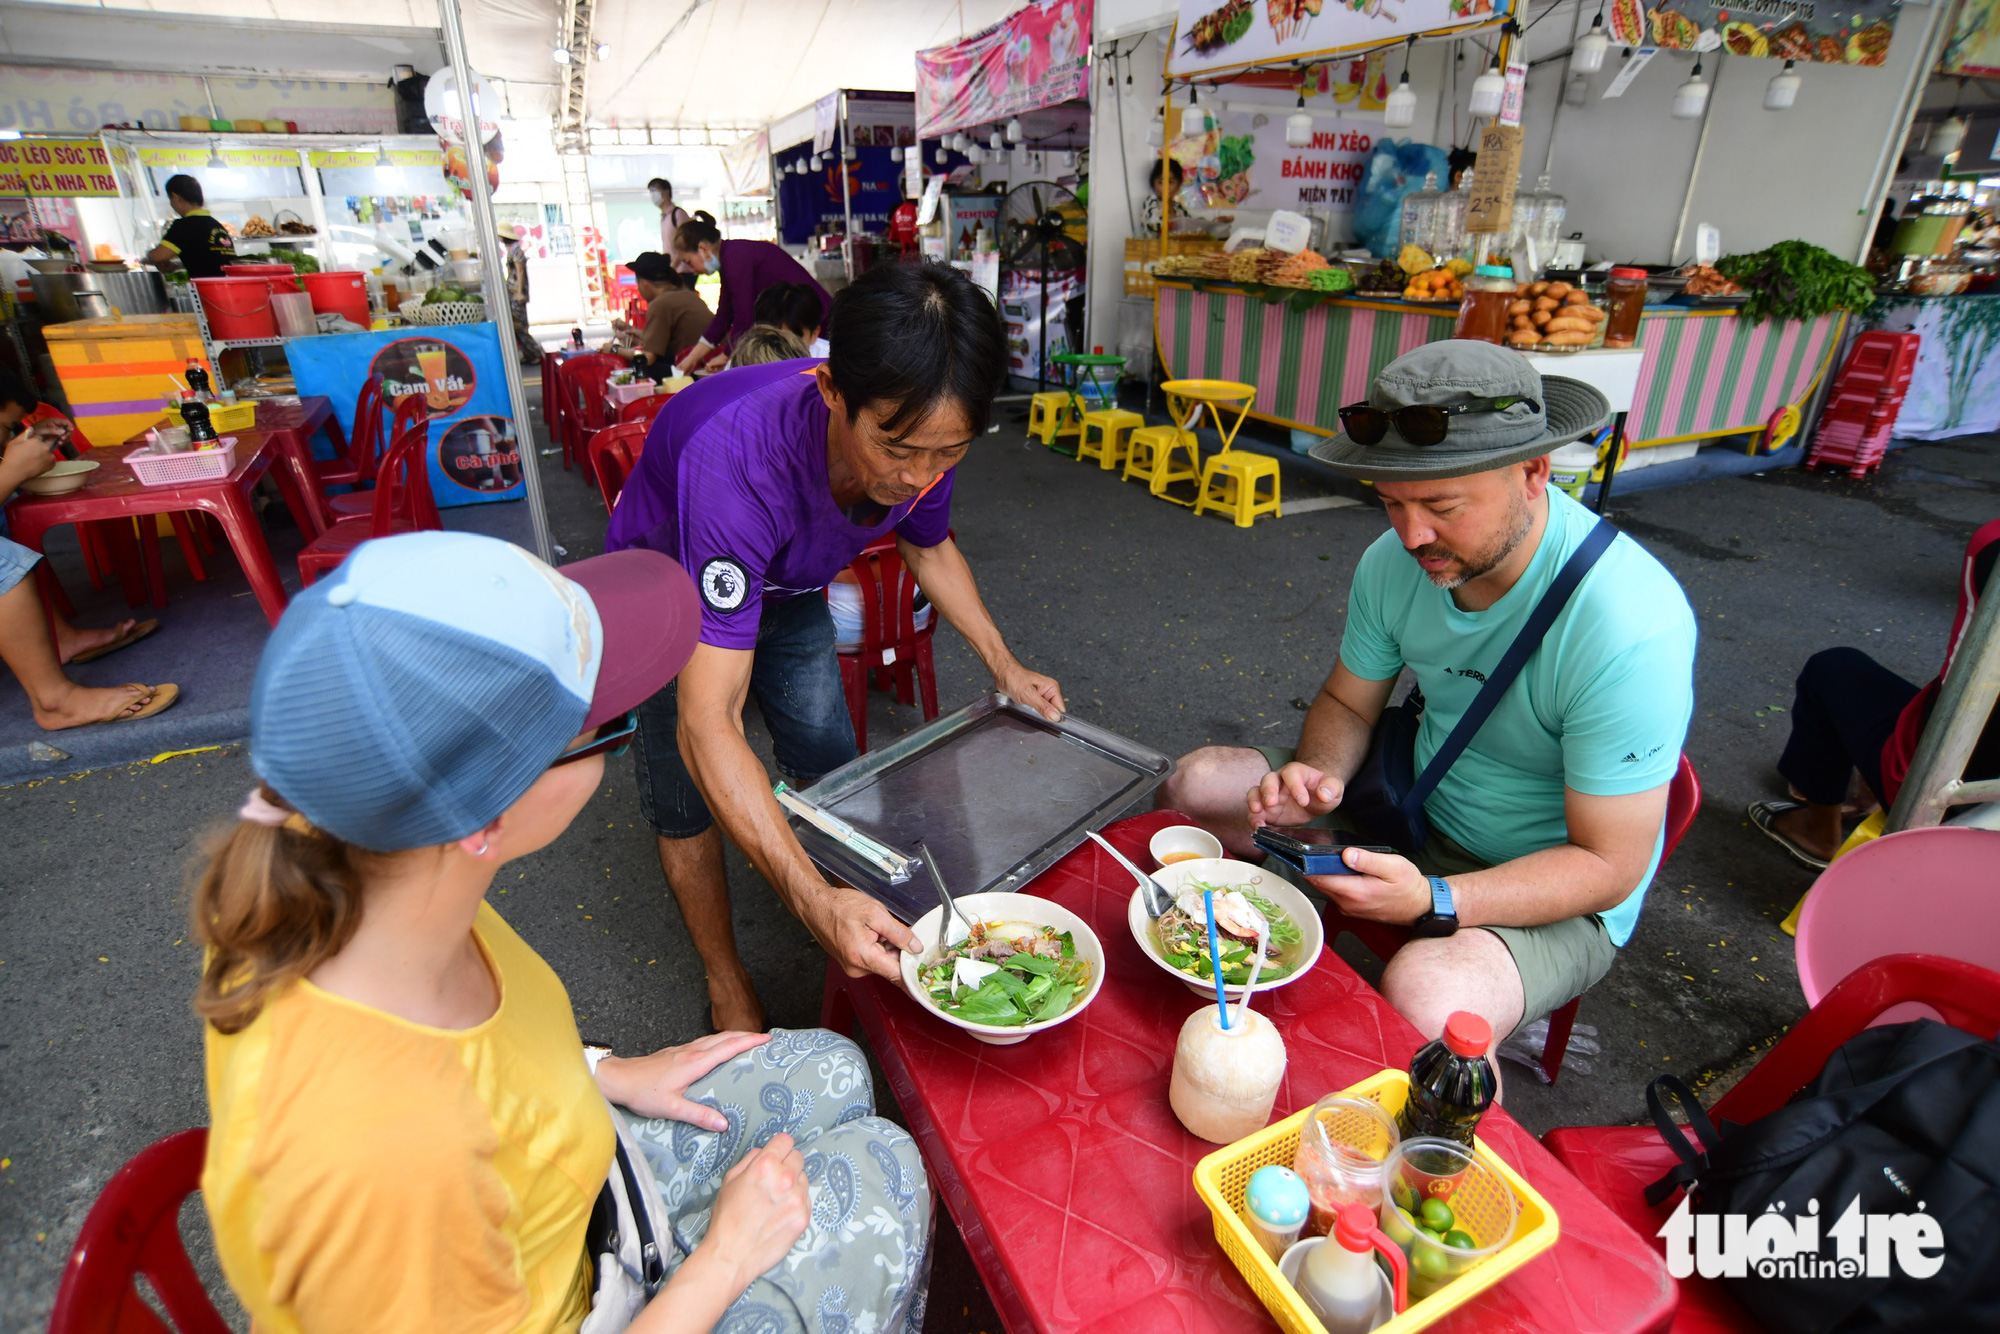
(413, 695)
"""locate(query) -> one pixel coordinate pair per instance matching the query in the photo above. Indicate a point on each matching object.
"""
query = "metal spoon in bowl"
(1157, 899)
(950, 909)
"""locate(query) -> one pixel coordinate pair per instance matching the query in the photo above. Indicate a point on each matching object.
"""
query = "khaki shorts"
(1557, 962)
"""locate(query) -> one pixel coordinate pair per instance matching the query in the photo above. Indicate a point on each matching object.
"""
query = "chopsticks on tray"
(883, 858)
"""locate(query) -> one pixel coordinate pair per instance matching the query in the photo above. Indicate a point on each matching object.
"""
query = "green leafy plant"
(1795, 280)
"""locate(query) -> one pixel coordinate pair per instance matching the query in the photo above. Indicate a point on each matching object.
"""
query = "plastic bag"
(1395, 168)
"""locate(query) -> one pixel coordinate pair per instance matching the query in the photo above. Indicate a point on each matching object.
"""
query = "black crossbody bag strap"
(1516, 657)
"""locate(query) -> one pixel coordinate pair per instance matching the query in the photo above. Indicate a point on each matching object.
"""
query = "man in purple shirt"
(746, 267)
(764, 482)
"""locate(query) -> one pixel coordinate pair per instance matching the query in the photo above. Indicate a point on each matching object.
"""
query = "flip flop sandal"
(1763, 814)
(138, 632)
(163, 699)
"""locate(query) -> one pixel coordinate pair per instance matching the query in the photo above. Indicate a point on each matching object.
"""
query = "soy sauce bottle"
(1451, 1082)
(195, 414)
(198, 382)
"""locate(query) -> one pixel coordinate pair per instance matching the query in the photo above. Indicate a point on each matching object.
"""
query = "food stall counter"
(1705, 373)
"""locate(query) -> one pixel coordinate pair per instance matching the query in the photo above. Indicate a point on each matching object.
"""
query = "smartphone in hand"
(1313, 851)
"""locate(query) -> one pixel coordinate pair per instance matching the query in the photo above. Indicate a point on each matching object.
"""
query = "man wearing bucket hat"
(1545, 828)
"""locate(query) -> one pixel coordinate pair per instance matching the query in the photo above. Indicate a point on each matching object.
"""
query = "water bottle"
(1276, 1204)
(1340, 1280)
(1451, 1082)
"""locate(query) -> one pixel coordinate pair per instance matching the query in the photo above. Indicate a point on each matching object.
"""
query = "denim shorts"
(795, 679)
(15, 562)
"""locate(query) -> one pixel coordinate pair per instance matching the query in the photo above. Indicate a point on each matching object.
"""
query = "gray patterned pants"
(863, 1265)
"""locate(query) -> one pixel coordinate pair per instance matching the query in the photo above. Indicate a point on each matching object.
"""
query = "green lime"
(1460, 1240)
(1437, 1215)
(1433, 1263)
(1406, 1198)
(1433, 1234)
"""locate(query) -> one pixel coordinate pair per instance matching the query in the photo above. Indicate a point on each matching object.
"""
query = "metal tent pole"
(1936, 780)
(493, 263)
(846, 201)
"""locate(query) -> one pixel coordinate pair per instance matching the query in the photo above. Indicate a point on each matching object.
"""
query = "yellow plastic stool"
(1109, 447)
(1229, 484)
(1051, 415)
(1151, 459)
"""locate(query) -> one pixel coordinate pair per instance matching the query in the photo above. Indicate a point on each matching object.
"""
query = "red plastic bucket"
(281, 277)
(238, 307)
(342, 291)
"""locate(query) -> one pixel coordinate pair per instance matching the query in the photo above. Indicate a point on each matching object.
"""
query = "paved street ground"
(1168, 629)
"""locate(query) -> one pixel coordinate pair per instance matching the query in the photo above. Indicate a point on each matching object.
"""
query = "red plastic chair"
(642, 409)
(554, 400)
(402, 494)
(614, 453)
(134, 1230)
(1619, 1162)
(363, 458)
(1683, 803)
(893, 647)
(584, 411)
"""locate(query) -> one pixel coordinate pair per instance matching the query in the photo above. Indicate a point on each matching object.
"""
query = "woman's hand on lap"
(761, 1211)
(656, 1085)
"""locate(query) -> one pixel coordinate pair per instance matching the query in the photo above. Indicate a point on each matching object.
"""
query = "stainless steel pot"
(77, 296)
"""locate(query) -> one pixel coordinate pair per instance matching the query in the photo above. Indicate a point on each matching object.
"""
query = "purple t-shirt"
(733, 485)
(747, 268)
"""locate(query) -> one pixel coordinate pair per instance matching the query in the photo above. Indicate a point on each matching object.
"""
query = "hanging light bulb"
(848, 152)
(1014, 130)
(1587, 56)
(996, 141)
(1400, 111)
(1487, 90)
(603, 51)
(1577, 91)
(1299, 125)
(819, 162)
(1156, 130)
(385, 170)
(1949, 134)
(1782, 90)
(1691, 98)
(943, 156)
(215, 162)
(896, 153)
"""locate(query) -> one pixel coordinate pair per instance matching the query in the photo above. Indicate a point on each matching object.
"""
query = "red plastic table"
(291, 427)
(114, 493)
(1073, 1183)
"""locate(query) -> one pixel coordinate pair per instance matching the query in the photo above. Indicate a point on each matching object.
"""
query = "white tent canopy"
(681, 63)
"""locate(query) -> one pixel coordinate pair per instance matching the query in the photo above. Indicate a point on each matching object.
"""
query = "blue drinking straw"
(1215, 957)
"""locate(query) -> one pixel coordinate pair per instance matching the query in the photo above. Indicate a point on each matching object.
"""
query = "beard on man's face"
(1470, 565)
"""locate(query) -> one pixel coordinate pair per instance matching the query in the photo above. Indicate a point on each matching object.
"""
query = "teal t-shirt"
(1602, 707)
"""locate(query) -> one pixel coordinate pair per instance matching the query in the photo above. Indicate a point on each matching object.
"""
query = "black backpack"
(1904, 1120)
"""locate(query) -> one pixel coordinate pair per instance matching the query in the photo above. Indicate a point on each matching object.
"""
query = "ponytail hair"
(275, 899)
(698, 228)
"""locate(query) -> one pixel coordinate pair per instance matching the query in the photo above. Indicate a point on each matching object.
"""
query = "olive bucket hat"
(1506, 411)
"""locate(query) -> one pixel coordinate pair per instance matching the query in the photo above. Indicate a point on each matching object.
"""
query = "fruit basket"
(1222, 1177)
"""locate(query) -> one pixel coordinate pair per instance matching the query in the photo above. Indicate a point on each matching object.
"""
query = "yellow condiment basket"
(1222, 1177)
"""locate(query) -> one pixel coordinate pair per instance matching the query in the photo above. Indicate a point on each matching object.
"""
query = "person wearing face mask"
(746, 268)
(672, 215)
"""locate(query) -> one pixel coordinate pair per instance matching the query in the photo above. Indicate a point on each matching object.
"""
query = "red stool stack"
(1854, 428)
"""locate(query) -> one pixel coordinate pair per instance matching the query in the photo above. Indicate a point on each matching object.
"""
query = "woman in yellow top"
(406, 1133)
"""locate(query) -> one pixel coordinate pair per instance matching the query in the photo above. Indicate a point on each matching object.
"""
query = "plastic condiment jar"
(1625, 293)
(1339, 1279)
(1275, 1204)
(1482, 314)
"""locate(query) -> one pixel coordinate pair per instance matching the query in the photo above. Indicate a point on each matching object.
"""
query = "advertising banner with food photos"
(1244, 162)
(1035, 57)
(1218, 35)
(1854, 33)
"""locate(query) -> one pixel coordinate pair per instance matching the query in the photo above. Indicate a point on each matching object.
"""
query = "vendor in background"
(672, 215)
(196, 238)
(747, 268)
(36, 660)
(795, 307)
(1546, 831)
(766, 482)
(1149, 208)
(1851, 715)
(517, 294)
(675, 316)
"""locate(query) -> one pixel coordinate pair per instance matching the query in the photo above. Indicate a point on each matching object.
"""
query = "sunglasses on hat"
(1420, 423)
(612, 738)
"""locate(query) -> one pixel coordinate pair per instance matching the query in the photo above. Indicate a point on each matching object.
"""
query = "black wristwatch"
(1442, 919)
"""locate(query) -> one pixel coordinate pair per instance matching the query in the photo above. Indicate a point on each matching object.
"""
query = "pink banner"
(1032, 58)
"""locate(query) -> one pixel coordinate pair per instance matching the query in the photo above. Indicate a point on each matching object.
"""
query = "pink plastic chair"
(1923, 891)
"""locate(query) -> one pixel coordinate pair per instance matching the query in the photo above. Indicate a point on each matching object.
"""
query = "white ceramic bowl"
(1226, 873)
(66, 476)
(1184, 839)
(1007, 908)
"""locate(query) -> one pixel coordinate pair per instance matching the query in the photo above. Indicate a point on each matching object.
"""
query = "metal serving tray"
(996, 791)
